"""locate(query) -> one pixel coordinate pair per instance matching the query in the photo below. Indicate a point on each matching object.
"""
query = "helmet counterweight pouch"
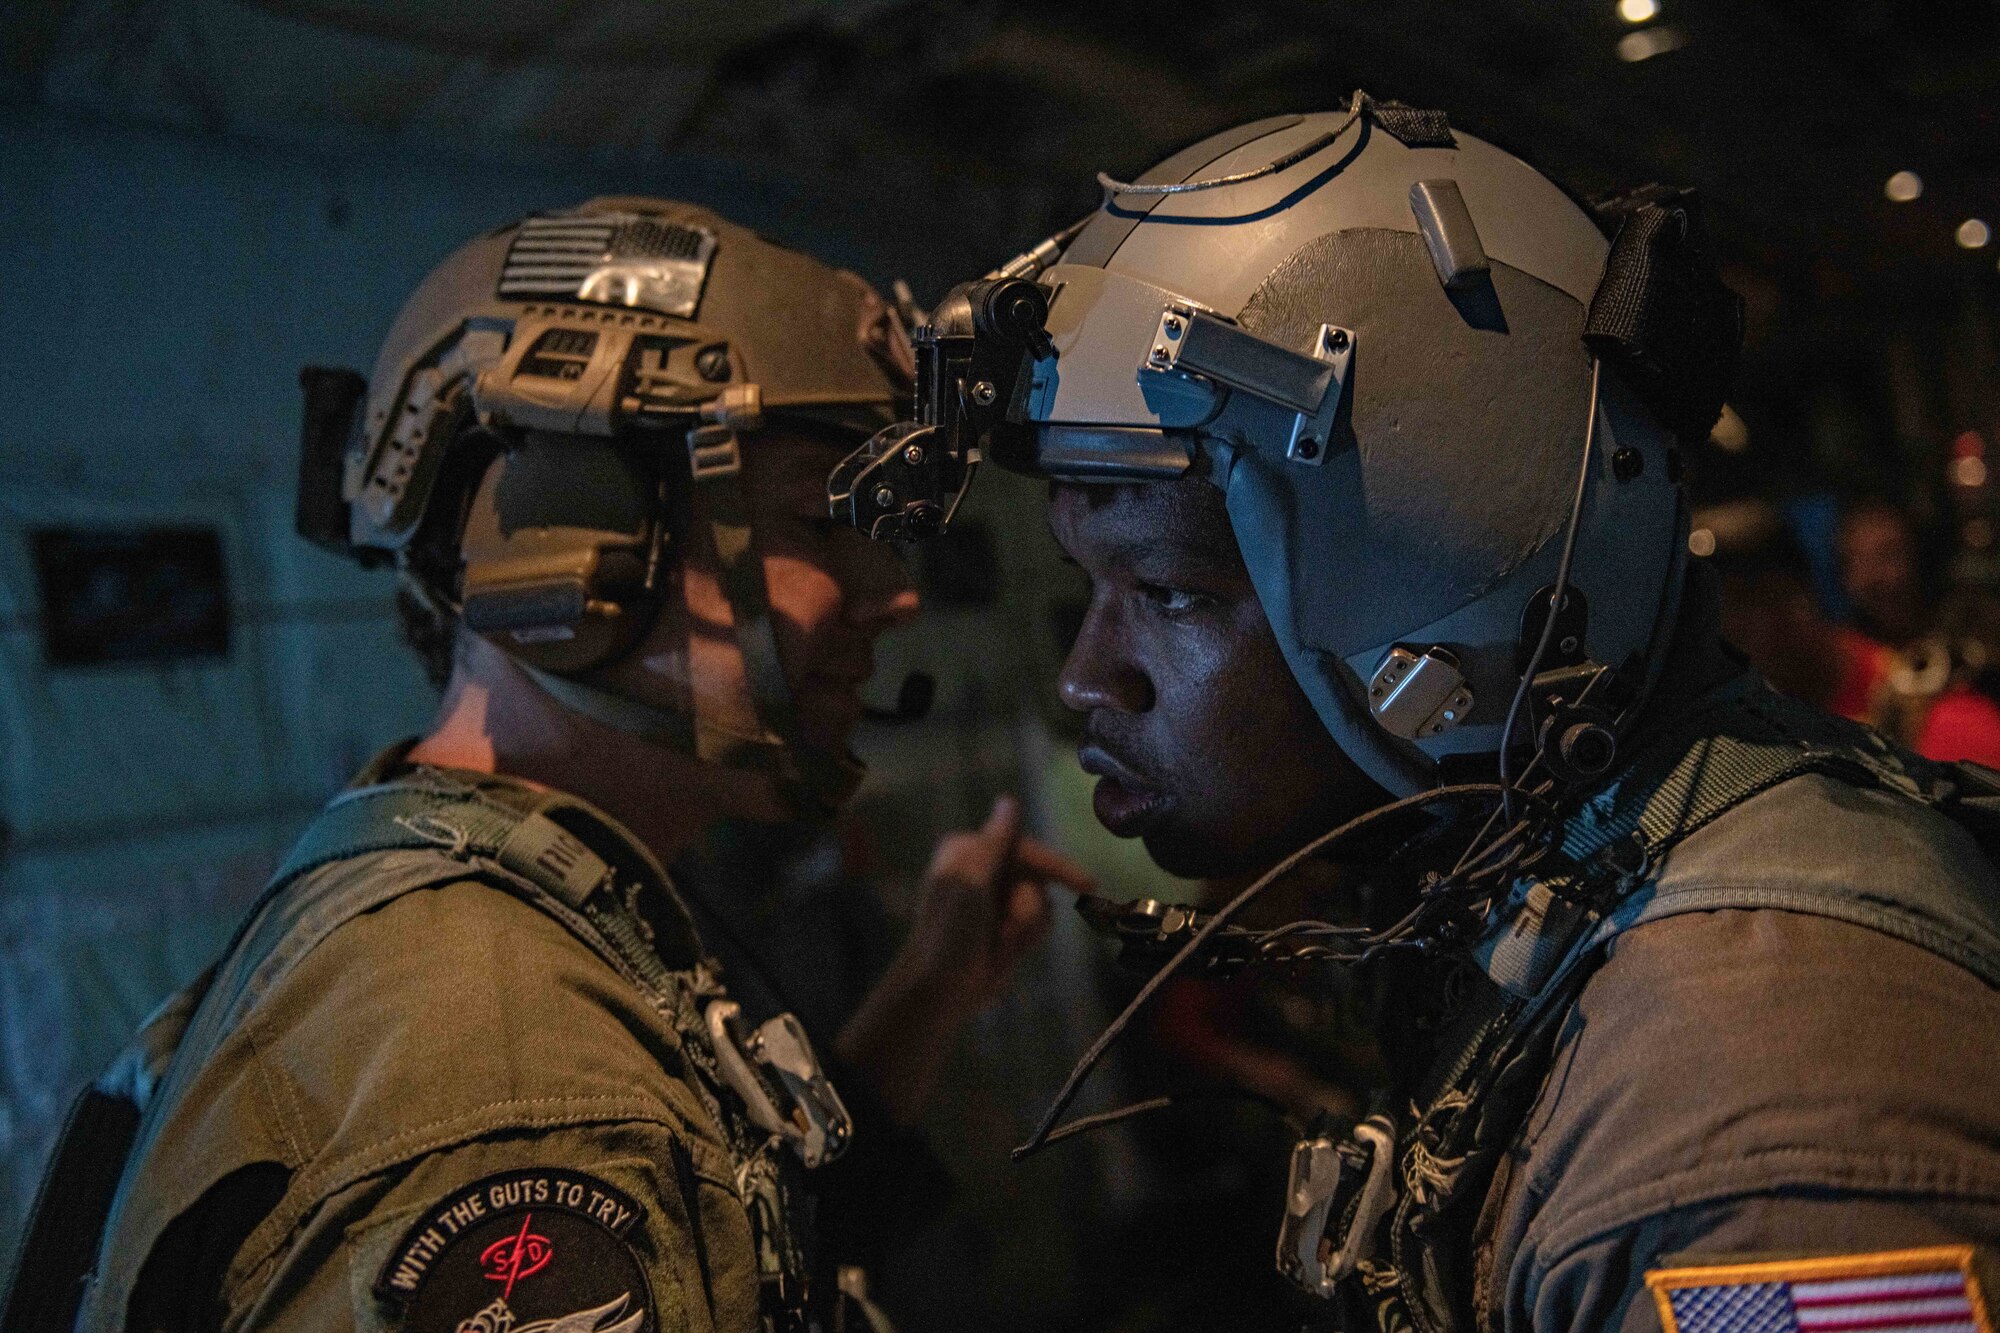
(1661, 314)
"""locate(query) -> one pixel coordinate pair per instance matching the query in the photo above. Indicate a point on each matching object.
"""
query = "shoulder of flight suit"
(1750, 1082)
(455, 1034)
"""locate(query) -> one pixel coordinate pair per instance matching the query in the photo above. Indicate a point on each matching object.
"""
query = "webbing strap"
(418, 815)
(721, 508)
(1682, 781)
(432, 812)
(1744, 741)
(647, 722)
(722, 511)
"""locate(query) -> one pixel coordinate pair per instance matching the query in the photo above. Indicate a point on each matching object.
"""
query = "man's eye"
(1172, 601)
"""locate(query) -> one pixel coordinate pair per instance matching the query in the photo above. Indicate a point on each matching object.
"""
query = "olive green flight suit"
(449, 1112)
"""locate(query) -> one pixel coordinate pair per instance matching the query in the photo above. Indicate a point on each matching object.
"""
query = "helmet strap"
(816, 782)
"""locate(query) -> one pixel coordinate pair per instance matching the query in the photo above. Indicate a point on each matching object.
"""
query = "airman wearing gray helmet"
(468, 1064)
(1367, 435)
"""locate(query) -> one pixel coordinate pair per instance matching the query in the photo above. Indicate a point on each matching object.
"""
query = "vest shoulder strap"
(1941, 893)
(1747, 741)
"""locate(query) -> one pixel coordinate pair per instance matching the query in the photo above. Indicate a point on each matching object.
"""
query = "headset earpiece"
(563, 546)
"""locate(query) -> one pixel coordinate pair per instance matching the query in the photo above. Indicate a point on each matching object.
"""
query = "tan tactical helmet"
(560, 406)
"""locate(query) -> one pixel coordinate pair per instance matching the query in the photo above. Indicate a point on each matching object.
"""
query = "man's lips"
(1122, 802)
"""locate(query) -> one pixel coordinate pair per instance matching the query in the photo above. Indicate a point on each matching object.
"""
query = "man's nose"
(1099, 673)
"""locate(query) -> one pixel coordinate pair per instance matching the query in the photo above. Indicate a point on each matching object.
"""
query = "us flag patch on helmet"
(1897, 1291)
(626, 259)
(543, 1250)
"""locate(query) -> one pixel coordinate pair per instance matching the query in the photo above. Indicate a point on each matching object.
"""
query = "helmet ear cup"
(562, 552)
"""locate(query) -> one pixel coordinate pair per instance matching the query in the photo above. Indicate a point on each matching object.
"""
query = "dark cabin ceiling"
(1790, 114)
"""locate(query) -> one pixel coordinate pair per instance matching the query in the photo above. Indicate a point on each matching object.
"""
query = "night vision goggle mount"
(973, 375)
(987, 383)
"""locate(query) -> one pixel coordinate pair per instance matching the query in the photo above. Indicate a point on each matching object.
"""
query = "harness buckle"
(714, 452)
(1336, 1195)
(775, 1072)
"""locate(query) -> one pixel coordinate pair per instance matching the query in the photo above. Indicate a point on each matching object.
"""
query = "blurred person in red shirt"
(1883, 572)
(1931, 689)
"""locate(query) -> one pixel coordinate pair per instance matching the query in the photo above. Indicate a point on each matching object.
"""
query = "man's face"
(833, 591)
(1203, 743)
(832, 594)
(1879, 570)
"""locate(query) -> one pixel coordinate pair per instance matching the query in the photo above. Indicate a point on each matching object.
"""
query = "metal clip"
(737, 406)
(902, 485)
(1414, 695)
(1312, 435)
(1171, 336)
(1346, 1185)
(779, 1079)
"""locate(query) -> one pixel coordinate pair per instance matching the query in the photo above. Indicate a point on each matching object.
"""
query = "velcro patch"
(542, 1250)
(1932, 1290)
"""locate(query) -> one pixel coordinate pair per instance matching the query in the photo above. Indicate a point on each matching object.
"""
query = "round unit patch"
(536, 1251)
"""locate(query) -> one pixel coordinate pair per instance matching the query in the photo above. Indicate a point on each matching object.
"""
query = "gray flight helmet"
(1379, 337)
(560, 410)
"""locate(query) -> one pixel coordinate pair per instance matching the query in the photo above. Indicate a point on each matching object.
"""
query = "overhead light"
(1729, 433)
(1903, 187)
(1638, 11)
(1973, 234)
(1701, 542)
(1969, 471)
(1649, 42)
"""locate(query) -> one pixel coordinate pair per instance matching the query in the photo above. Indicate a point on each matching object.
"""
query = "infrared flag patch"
(1900, 1291)
(536, 1251)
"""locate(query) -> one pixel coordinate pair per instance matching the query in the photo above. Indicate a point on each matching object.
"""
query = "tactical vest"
(1407, 1187)
(87, 1238)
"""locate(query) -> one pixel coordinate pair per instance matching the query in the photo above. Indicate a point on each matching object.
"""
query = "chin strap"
(815, 781)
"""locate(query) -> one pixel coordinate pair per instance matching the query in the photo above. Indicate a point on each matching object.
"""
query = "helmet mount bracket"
(1194, 341)
(973, 362)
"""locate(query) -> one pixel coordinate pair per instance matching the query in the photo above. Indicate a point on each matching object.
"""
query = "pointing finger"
(1045, 862)
(975, 859)
(1003, 824)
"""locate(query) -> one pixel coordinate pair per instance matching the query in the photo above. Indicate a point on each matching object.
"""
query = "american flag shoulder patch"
(1933, 1290)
